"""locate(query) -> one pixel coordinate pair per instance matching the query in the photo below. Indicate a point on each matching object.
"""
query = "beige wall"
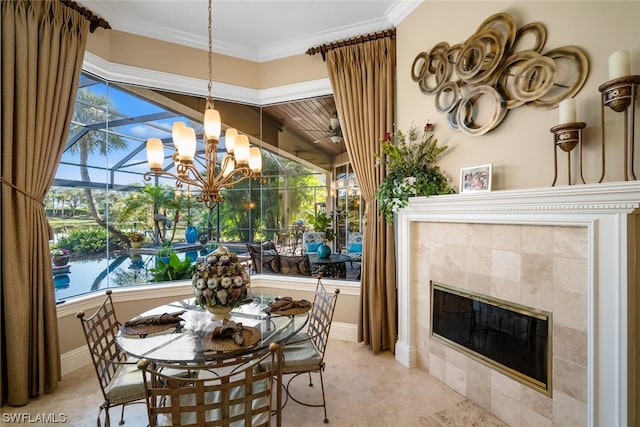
(129, 49)
(521, 148)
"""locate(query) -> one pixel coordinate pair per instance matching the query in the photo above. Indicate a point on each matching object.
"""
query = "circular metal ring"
(421, 59)
(533, 78)
(438, 62)
(480, 56)
(446, 105)
(538, 31)
(579, 59)
(504, 78)
(466, 106)
(505, 24)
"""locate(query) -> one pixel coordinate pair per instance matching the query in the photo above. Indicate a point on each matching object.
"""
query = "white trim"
(397, 12)
(604, 209)
(121, 73)
(74, 359)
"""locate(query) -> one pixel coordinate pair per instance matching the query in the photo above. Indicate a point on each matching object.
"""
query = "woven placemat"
(146, 329)
(250, 334)
(291, 312)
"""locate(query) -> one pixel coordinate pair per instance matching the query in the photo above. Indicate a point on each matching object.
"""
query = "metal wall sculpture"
(489, 64)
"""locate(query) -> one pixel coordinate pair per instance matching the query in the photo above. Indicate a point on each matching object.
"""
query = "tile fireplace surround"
(569, 250)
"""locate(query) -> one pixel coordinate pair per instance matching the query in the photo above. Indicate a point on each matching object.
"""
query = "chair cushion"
(312, 247)
(298, 265)
(300, 355)
(127, 385)
(354, 247)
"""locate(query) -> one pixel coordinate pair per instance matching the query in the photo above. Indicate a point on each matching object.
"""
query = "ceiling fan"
(334, 132)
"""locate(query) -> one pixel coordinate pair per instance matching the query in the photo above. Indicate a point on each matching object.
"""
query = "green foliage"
(165, 250)
(175, 269)
(87, 241)
(410, 170)
(322, 222)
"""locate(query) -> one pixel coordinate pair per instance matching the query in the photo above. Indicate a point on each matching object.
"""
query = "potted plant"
(164, 252)
(410, 169)
(60, 257)
(321, 222)
(136, 238)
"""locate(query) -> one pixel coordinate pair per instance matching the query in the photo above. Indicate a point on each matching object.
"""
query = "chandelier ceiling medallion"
(239, 163)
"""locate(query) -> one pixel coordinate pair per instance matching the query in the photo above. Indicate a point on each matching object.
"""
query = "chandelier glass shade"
(241, 161)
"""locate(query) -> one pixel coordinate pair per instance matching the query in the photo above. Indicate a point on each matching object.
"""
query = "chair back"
(215, 394)
(321, 316)
(100, 331)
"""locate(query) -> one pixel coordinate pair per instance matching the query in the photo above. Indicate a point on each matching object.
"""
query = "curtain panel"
(42, 48)
(362, 76)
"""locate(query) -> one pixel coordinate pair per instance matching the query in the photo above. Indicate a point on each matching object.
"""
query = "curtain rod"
(94, 20)
(323, 49)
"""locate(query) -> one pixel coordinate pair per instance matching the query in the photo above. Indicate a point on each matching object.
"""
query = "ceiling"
(262, 30)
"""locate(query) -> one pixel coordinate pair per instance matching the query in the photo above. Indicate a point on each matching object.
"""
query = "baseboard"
(74, 359)
(344, 331)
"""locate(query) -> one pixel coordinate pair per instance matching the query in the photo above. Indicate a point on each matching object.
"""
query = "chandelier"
(239, 163)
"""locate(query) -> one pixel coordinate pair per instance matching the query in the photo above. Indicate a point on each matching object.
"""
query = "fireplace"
(572, 251)
(511, 338)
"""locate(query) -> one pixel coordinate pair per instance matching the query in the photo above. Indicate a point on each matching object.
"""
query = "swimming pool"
(91, 275)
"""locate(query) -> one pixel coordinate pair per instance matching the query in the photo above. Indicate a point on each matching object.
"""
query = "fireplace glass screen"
(509, 337)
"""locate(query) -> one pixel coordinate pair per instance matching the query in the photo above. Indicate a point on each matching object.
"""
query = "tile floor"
(363, 389)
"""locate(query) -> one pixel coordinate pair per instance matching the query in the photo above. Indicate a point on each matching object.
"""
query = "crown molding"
(175, 83)
(260, 52)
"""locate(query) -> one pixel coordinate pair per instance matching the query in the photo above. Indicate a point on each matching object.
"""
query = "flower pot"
(191, 234)
(60, 260)
(136, 245)
(219, 312)
(324, 251)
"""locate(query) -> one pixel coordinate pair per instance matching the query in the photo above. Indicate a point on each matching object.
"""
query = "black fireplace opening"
(509, 337)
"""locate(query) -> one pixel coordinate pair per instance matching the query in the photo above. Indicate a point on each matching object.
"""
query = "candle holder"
(567, 136)
(618, 94)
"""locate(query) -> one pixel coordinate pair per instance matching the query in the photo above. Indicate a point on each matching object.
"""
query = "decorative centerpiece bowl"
(220, 283)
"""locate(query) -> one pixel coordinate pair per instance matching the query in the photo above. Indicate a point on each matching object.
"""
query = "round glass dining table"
(184, 341)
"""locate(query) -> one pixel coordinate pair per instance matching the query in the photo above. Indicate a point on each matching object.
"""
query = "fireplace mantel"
(609, 213)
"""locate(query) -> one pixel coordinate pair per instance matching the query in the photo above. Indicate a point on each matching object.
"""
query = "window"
(100, 197)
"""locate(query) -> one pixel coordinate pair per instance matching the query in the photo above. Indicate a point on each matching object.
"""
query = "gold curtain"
(42, 45)
(362, 76)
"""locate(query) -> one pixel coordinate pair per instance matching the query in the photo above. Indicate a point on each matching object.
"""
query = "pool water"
(91, 275)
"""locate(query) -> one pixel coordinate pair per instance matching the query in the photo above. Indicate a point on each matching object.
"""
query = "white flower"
(226, 282)
(238, 281)
(201, 284)
(212, 283)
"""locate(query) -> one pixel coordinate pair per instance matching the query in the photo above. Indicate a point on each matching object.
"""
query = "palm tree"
(95, 110)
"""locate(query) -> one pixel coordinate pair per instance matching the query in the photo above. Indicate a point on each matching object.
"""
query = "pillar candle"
(619, 64)
(568, 111)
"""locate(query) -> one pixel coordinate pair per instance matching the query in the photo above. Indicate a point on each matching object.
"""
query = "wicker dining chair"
(120, 382)
(218, 395)
(304, 352)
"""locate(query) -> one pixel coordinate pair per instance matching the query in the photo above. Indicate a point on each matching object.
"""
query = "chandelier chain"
(209, 97)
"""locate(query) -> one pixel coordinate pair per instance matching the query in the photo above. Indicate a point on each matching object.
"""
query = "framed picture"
(475, 178)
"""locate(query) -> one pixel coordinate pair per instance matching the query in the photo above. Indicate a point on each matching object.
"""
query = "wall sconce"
(620, 92)
(567, 135)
